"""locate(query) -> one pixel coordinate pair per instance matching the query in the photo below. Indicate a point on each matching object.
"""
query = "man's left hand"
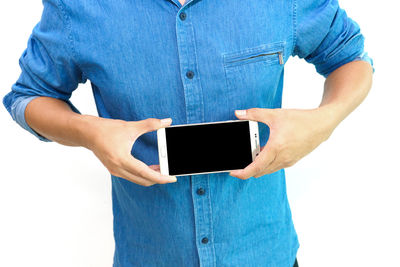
(293, 134)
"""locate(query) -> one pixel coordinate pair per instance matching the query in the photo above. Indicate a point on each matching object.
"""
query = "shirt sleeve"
(47, 66)
(326, 37)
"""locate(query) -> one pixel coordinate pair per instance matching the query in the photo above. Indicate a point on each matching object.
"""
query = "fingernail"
(173, 179)
(166, 121)
(241, 112)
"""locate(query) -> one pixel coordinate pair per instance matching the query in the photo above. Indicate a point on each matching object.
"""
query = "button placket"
(188, 65)
(203, 219)
(194, 114)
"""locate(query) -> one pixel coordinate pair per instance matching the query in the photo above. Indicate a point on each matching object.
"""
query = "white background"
(55, 201)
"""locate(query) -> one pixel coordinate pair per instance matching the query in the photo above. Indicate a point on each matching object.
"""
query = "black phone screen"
(208, 147)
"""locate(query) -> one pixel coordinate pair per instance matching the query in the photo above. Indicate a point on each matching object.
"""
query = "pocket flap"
(266, 52)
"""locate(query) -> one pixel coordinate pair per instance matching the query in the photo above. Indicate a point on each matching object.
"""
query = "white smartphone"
(213, 147)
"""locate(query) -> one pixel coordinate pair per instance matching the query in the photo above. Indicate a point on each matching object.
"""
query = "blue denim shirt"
(136, 55)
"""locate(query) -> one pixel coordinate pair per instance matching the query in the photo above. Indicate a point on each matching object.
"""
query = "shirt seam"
(198, 70)
(211, 222)
(294, 26)
(71, 47)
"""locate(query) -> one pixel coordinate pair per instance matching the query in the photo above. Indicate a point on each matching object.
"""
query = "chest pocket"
(252, 73)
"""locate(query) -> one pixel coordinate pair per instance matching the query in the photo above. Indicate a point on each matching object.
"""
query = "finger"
(255, 114)
(139, 168)
(151, 124)
(264, 158)
(133, 178)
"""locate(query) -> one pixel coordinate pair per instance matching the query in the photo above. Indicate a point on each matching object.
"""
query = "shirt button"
(190, 74)
(200, 191)
(204, 240)
(182, 16)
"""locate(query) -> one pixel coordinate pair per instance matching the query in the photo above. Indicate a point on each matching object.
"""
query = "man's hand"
(112, 141)
(293, 134)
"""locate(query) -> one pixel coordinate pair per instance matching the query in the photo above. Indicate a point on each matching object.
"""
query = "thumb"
(255, 114)
(153, 124)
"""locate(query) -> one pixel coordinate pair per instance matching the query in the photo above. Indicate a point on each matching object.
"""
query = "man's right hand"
(112, 141)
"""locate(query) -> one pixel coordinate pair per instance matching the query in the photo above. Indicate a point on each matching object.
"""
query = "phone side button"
(163, 154)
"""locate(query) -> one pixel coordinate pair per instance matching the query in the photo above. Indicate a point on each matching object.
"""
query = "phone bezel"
(163, 151)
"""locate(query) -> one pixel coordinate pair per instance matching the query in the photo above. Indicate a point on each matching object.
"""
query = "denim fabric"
(136, 55)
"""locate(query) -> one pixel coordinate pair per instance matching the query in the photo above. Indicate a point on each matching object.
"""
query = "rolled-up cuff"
(16, 105)
(18, 114)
